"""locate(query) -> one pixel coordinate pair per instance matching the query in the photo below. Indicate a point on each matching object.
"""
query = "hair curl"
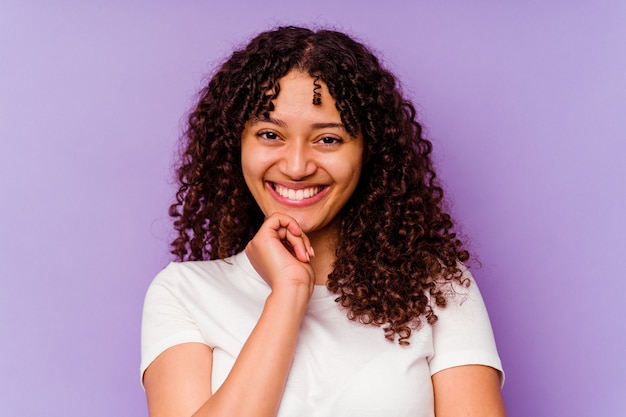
(396, 248)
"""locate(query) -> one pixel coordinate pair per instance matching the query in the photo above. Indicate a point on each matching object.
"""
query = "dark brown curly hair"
(396, 248)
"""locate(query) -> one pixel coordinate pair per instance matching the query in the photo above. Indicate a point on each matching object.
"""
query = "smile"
(296, 195)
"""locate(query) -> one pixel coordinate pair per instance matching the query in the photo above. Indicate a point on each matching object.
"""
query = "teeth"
(296, 195)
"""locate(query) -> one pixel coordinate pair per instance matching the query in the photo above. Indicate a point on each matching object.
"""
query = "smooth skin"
(301, 147)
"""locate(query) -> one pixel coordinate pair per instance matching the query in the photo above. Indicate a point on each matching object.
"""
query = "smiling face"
(301, 161)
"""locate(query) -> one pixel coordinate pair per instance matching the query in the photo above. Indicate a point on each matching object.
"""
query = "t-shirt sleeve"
(165, 322)
(462, 335)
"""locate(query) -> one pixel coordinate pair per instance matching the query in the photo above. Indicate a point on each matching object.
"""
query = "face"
(301, 161)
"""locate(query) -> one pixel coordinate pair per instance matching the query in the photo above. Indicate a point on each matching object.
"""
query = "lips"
(296, 195)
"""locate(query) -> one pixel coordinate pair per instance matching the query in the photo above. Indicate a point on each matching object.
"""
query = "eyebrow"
(281, 123)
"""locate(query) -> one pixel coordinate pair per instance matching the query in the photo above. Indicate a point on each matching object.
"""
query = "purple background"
(525, 102)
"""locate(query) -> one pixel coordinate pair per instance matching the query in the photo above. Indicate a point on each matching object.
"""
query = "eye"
(268, 135)
(330, 140)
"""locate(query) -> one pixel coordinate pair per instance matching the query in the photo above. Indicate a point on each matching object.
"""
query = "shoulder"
(193, 285)
(462, 334)
(465, 309)
(196, 275)
(462, 296)
(195, 301)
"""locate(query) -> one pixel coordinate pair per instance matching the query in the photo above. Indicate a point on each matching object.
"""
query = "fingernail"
(311, 251)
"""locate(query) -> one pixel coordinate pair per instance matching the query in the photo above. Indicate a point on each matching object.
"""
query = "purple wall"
(526, 103)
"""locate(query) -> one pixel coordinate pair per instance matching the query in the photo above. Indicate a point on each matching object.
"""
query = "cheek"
(249, 160)
(351, 170)
(255, 167)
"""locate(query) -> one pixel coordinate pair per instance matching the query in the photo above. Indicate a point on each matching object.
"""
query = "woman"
(322, 276)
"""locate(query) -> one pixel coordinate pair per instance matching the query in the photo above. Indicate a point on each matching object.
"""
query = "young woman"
(320, 274)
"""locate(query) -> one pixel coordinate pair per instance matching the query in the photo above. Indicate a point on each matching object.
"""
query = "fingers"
(289, 232)
(280, 252)
(298, 246)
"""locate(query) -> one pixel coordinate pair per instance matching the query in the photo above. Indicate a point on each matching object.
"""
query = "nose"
(297, 162)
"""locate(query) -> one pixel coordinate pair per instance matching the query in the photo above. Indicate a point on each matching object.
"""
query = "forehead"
(302, 94)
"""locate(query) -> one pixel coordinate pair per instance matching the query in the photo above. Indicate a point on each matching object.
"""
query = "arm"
(468, 391)
(178, 382)
(466, 366)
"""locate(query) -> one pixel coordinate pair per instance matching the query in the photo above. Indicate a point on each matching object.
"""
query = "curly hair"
(396, 248)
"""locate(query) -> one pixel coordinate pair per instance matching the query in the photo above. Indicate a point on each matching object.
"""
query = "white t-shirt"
(340, 368)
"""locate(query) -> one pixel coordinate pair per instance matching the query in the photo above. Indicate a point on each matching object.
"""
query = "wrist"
(290, 297)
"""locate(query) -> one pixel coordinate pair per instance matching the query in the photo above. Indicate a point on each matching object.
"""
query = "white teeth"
(296, 195)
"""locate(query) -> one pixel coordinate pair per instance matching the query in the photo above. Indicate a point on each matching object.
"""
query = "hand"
(280, 252)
